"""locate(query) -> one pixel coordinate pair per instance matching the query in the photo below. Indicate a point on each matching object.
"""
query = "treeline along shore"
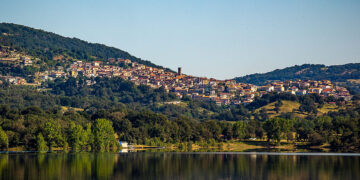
(76, 119)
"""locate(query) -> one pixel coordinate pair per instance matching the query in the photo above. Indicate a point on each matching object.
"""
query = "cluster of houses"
(11, 56)
(223, 92)
(14, 80)
(303, 87)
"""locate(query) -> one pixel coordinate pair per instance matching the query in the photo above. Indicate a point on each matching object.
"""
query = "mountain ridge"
(48, 45)
(337, 73)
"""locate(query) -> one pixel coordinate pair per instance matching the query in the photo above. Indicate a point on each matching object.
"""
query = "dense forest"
(335, 73)
(47, 45)
(85, 117)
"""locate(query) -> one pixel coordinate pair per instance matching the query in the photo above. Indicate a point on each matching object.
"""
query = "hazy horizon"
(216, 39)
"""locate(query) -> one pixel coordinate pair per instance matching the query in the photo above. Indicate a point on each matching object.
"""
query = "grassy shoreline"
(248, 146)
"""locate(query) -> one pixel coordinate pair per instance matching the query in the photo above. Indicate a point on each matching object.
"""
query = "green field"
(291, 106)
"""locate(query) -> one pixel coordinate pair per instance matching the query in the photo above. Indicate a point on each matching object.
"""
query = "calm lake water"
(169, 165)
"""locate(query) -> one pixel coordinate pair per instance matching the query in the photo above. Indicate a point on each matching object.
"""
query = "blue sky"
(221, 39)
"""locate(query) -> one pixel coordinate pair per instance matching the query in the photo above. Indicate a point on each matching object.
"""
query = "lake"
(172, 165)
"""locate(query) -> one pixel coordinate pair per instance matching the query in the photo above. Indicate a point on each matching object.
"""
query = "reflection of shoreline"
(124, 150)
(249, 146)
(232, 146)
(180, 165)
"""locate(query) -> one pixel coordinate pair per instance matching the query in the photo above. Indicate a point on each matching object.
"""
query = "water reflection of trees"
(57, 165)
(194, 166)
(175, 166)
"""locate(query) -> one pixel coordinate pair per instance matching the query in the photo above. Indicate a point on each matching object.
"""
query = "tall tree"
(104, 135)
(41, 143)
(4, 142)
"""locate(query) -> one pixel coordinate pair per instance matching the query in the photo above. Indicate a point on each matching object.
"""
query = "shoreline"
(230, 146)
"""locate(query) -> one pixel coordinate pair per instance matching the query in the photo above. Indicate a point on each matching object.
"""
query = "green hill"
(336, 73)
(49, 46)
(286, 107)
(293, 106)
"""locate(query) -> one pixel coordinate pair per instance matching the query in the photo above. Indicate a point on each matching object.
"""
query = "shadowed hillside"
(49, 46)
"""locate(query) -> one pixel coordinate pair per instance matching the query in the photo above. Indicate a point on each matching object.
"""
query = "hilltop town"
(223, 92)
